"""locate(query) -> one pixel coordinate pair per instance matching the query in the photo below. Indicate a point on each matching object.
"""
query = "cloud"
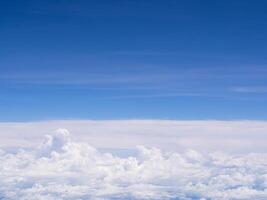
(232, 136)
(85, 78)
(60, 168)
(250, 89)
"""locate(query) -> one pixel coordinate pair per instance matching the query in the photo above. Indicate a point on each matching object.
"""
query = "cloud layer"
(227, 136)
(60, 168)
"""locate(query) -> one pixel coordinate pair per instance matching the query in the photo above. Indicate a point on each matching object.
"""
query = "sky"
(121, 59)
(140, 99)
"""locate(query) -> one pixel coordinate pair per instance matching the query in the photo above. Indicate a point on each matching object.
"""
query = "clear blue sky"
(123, 59)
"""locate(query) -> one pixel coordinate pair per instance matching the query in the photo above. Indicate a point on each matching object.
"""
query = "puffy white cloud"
(60, 168)
(232, 136)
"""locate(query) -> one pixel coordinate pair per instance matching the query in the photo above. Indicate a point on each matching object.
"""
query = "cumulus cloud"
(232, 136)
(60, 168)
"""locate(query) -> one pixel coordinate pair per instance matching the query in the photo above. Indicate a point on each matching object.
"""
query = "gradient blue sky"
(120, 59)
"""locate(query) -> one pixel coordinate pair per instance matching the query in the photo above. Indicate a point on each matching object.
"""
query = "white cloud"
(60, 168)
(250, 89)
(230, 136)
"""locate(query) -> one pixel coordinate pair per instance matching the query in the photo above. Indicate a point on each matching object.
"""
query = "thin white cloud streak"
(85, 78)
(250, 89)
(149, 76)
(159, 95)
(62, 169)
(231, 136)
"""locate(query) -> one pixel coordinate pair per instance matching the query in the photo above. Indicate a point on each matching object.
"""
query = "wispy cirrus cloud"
(250, 89)
(69, 78)
(200, 82)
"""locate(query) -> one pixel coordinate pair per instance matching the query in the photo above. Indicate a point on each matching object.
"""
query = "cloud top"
(63, 169)
(172, 135)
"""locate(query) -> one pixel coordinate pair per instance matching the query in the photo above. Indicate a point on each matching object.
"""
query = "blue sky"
(133, 59)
